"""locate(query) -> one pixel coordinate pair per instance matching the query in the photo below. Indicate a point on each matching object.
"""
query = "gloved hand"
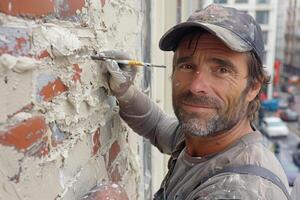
(121, 77)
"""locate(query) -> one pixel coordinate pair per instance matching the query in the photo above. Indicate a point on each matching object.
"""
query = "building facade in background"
(282, 14)
(292, 39)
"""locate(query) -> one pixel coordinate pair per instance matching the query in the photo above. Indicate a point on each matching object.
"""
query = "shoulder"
(237, 186)
(251, 151)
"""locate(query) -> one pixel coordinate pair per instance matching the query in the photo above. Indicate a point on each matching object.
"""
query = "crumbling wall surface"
(60, 133)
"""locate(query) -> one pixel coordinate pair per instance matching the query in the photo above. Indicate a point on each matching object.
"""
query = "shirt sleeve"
(149, 121)
(236, 186)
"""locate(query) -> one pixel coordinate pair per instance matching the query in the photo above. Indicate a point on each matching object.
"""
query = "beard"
(208, 124)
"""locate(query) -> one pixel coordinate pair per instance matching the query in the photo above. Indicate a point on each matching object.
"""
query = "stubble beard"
(203, 124)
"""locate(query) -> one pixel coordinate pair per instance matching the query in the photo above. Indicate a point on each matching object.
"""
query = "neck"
(198, 146)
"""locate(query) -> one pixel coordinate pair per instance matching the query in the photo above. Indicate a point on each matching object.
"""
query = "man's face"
(210, 93)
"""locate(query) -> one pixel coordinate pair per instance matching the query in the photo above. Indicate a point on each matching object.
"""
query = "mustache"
(203, 100)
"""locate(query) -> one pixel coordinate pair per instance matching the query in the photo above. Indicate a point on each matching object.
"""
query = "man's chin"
(196, 128)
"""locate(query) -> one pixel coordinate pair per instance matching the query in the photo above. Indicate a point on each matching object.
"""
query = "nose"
(199, 83)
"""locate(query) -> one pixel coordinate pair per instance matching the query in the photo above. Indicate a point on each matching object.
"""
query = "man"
(217, 76)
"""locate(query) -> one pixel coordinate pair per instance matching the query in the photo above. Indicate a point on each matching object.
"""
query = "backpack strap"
(250, 170)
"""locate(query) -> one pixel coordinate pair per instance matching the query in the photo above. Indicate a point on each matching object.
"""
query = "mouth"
(194, 107)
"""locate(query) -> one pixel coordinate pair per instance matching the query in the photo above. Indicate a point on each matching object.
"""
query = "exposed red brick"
(109, 190)
(34, 8)
(113, 152)
(113, 171)
(17, 41)
(43, 54)
(77, 74)
(96, 141)
(115, 175)
(20, 42)
(3, 49)
(24, 134)
(53, 89)
(102, 3)
(68, 8)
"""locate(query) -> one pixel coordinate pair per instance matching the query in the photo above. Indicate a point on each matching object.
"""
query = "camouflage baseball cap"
(238, 30)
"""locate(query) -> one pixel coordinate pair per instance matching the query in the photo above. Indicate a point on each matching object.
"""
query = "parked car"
(274, 127)
(289, 115)
(283, 103)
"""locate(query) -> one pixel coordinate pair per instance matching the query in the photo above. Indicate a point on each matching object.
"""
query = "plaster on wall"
(68, 171)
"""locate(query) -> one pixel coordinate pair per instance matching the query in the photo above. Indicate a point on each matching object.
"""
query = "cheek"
(228, 83)
(179, 82)
(230, 94)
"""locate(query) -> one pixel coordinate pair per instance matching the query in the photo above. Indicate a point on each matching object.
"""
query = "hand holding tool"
(120, 79)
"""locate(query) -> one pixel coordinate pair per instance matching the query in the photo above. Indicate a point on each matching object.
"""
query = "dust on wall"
(60, 134)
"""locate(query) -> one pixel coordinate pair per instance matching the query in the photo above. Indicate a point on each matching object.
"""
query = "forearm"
(141, 114)
(149, 121)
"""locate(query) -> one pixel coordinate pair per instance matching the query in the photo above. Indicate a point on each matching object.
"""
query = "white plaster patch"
(25, 178)
(16, 91)
(18, 64)
(58, 40)
(9, 165)
(20, 117)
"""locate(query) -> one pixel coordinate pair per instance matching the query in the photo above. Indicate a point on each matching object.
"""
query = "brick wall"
(60, 133)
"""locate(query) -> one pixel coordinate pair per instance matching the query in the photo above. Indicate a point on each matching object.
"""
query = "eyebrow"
(223, 62)
(183, 59)
(220, 61)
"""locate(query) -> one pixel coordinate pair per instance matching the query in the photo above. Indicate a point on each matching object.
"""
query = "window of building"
(262, 17)
(262, 1)
(178, 13)
(220, 1)
(265, 37)
(241, 1)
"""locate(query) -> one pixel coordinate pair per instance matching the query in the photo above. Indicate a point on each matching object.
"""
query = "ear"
(253, 91)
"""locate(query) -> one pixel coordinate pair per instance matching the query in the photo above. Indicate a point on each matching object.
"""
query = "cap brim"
(172, 37)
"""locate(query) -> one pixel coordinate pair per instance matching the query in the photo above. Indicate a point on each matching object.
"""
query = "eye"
(186, 67)
(223, 70)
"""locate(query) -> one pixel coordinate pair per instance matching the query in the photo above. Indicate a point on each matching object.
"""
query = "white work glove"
(120, 77)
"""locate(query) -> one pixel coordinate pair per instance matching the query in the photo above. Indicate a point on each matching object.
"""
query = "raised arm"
(137, 110)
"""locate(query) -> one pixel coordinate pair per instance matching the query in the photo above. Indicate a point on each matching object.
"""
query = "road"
(288, 145)
(293, 128)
